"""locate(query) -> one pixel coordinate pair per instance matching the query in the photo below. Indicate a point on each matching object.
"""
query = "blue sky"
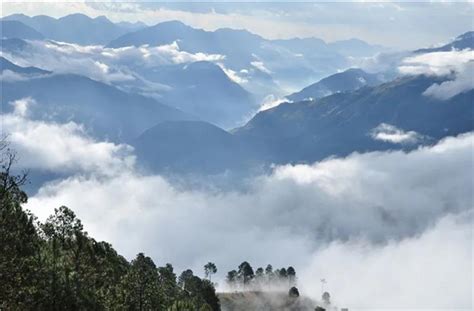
(397, 24)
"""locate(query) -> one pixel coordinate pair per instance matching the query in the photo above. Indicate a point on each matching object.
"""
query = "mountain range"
(204, 90)
(5, 64)
(16, 29)
(461, 42)
(287, 60)
(256, 66)
(107, 112)
(179, 129)
(308, 131)
(74, 28)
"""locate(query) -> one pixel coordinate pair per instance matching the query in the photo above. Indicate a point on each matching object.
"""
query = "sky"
(404, 25)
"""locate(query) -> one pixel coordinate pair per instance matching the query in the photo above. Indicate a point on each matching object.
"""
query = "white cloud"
(392, 134)
(436, 63)
(458, 66)
(306, 216)
(271, 101)
(260, 66)
(10, 76)
(109, 65)
(178, 57)
(463, 82)
(233, 75)
(56, 147)
(21, 106)
(430, 271)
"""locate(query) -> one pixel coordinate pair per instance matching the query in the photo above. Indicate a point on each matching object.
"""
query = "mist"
(377, 219)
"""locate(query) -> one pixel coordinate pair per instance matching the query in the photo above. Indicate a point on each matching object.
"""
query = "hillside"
(107, 111)
(264, 301)
(15, 29)
(342, 123)
(5, 64)
(349, 80)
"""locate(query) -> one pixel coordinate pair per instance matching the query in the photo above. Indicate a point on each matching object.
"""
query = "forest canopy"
(56, 265)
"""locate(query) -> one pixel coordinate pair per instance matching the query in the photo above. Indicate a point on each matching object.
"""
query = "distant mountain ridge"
(75, 28)
(309, 131)
(461, 42)
(286, 61)
(349, 80)
(190, 147)
(107, 112)
(204, 90)
(18, 30)
(341, 123)
(5, 64)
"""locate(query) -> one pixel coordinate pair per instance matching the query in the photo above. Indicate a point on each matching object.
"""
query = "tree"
(291, 276)
(282, 273)
(259, 277)
(64, 250)
(269, 269)
(198, 291)
(231, 278)
(210, 269)
(10, 184)
(140, 286)
(21, 273)
(167, 284)
(269, 275)
(245, 273)
(326, 297)
(293, 292)
(185, 276)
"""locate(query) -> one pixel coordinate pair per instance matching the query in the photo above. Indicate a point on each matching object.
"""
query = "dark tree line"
(245, 278)
(56, 265)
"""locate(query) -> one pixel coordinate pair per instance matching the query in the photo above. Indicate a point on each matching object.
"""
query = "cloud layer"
(458, 66)
(108, 65)
(339, 219)
(430, 271)
(60, 148)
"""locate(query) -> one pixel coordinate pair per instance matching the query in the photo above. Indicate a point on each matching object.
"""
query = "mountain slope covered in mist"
(5, 64)
(264, 301)
(343, 123)
(461, 42)
(203, 89)
(349, 80)
(390, 116)
(103, 109)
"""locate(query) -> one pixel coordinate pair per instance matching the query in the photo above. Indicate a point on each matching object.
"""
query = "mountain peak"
(466, 36)
(172, 24)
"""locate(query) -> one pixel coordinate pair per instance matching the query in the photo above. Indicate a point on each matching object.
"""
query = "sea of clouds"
(386, 229)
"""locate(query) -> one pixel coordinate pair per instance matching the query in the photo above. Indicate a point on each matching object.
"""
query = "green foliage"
(245, 278)
(140, 286)
(231, 277)
(210, 269)
(181, 305)
(57, 266)
(20, 262)
(245, 273)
